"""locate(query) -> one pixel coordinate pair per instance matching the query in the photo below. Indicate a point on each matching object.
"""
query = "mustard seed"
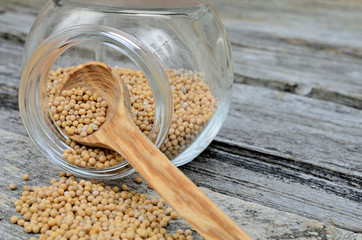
(26, 177)
(21, 222)
(174, 215)
(12, 186)
(138, 180)
(14, 219)
(124, 187)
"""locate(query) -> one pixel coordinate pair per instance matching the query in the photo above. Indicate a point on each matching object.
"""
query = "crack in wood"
(290, 163)
(284, 169)
(218, 164)
(302, 90)
(353, 52)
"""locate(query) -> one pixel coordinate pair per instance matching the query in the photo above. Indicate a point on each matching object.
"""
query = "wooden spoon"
(122, 135)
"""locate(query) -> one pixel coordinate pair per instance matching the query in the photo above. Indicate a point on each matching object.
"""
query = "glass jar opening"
(78, 45)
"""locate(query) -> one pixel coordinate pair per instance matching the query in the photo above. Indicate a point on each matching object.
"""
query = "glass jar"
(178, 46)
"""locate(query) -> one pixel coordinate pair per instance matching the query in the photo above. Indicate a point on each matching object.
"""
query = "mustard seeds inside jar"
(173, 56)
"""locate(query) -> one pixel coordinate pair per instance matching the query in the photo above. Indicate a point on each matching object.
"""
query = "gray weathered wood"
(259, 221)
(274, 174)
(16, 18)
(317, 132)
(10, 71)
(280, 185)
(310, 48)
(330, 22)
(297, 67)
(291, 153)
(302, 47)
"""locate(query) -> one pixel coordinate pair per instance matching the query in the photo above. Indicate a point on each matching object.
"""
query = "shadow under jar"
(174, 57)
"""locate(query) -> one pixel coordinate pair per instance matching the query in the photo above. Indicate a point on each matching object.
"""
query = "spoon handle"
(178, 190)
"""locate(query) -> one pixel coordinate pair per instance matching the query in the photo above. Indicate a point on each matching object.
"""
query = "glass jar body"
(152, 36)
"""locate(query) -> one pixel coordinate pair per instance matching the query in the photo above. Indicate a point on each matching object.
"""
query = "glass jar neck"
(137, 4)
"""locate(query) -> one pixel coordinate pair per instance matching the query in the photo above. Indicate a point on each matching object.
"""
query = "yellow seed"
(21, 222)
(14, 219)
(174, 215)
(137, 179)
(124, 187)
(83, 134)
(142, 232)
(36, 229)
(82, 111)
(28, 229)
(70, 131)
(12, 186)
(89, 130)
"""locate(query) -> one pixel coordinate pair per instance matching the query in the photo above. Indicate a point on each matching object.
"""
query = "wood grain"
(10, 67)
(265, 169)
(310, 48)
(260, 221)
(276, 144)
(256, 116)
(323, 134)
(283, 185)
(302, 47)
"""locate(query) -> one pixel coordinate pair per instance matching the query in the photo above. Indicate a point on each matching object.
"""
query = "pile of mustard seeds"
(90, 157)
(78, 111)
(193, 104)
(81, 210)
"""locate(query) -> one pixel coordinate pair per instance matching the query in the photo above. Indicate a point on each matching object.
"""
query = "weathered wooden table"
(288, 162)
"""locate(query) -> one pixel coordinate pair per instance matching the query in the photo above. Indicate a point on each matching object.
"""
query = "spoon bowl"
(102, 79)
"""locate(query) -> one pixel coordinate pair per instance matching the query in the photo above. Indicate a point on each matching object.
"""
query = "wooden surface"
(288, 162)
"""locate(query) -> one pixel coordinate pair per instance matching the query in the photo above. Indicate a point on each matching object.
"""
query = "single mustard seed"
(138, 180)
(174, 215)
(21, 222)
(188, 232)
(12, 186)
(26, 177)
(14, 219)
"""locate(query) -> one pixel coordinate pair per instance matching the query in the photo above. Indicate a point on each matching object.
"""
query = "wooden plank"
(291, 153)
(311, 131)
(323, 134)
(259, 221)
(269, 120)
(308, 48)
(267, 180)
(279, 152)
(16, 18)
(327, 22)
(309, 135)
(10, 73)
(282, 64)
(10, 120)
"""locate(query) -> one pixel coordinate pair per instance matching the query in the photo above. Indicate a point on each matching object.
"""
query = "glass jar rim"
(35, 75)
